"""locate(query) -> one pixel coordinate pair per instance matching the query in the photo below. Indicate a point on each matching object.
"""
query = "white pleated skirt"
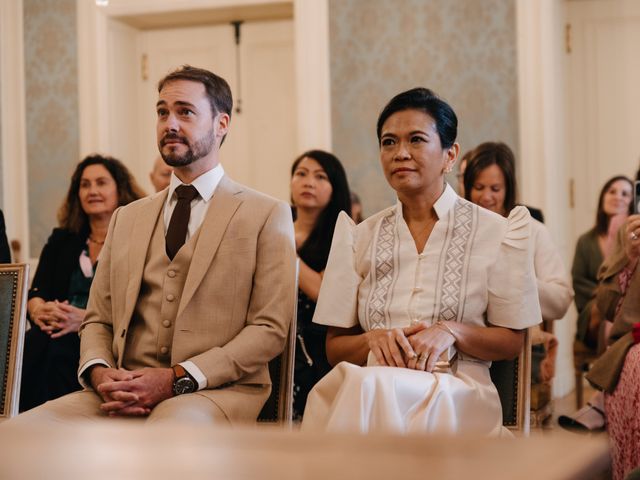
(399, 400)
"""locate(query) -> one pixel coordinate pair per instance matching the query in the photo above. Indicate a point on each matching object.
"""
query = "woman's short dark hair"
(71, 216)
(427, 101)
(485, 155)
(315, 250)
(602, 219)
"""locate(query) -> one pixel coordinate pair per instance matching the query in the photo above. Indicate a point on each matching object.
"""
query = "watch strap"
(179, 371)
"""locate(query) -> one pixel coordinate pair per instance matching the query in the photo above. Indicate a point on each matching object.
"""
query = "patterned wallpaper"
(465, 50)
(51, 110)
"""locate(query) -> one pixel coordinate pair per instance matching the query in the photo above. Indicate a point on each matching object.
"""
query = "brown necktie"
(177, 231)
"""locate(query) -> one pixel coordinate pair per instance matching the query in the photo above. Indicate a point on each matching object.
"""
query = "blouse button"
(164, 350)
(166, 323)
(171, 297)
(171, 273)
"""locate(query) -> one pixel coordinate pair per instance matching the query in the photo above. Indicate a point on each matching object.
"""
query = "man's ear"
(222, 124)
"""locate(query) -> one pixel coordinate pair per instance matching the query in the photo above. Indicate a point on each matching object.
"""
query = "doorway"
(603, 99)
(284, 48)
(261, 144)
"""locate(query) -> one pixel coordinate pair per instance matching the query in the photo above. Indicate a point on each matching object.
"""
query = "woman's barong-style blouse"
(476, 268)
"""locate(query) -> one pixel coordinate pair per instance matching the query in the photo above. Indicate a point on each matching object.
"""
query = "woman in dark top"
(319, 191)
(5, 253)
(614, 205)
(60, 288)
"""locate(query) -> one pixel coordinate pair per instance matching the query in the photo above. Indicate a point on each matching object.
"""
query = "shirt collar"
(444, 203)
(205, 184)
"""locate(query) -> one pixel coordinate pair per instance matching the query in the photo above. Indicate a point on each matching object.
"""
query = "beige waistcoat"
(150, 334)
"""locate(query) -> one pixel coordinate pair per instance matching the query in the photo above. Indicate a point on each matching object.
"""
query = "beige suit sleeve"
(96, 331)
(271, 306)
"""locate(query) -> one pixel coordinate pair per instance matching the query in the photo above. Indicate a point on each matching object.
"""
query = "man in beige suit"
(182, 325)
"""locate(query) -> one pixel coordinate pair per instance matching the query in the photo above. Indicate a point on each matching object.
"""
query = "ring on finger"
(423, 356)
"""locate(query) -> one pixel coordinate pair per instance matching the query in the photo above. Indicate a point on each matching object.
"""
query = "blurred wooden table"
(122, 450)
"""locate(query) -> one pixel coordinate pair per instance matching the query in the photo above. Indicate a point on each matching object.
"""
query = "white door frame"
(543, 168)
(311, 31)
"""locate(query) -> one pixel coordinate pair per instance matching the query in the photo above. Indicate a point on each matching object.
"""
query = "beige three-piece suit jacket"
(237, 292)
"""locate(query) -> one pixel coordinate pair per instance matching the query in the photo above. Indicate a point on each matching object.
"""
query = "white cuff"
(196, 373)
(85, 382)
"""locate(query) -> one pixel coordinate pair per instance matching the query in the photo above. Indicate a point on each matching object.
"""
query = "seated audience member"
(535, 213)
(490, 182)
(319, 192)
(356, 208)
(195, 288)
(411, 284)
(60, 288)
(617, 371)
(5, 252)
(614, 205)
(160, 175)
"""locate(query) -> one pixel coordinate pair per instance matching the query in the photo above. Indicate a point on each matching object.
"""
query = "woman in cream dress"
(431, 273)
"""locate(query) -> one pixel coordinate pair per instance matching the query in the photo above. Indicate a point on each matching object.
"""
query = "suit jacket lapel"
(141, 235)
(224, 203)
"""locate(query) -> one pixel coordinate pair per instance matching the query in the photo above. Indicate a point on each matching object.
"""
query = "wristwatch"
(182, 382)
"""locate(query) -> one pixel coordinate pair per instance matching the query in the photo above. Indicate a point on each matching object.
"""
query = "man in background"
(160, 176)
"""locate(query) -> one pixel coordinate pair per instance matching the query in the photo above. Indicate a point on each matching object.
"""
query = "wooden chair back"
(279, 406)
(14, 279)
(512, 379)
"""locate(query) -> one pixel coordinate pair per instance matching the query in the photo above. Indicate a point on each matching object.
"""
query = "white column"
(92, 78)
(311, 24)
(542, 170)
(14, 143)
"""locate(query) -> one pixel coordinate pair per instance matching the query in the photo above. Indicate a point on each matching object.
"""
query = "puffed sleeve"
(338, 298)
(554, 291)
(513, 296)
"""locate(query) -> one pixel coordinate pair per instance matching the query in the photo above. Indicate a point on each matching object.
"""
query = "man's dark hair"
(427, 101)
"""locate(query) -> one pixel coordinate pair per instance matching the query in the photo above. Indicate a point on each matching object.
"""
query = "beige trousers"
(85, 406)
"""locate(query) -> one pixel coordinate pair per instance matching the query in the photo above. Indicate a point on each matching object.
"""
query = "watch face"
(184, 385)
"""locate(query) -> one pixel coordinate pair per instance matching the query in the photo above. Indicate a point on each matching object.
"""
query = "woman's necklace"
(95, 241)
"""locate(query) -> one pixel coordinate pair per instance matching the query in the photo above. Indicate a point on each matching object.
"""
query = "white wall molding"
(14, 145)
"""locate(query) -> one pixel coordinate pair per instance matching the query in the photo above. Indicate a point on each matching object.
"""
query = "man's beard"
(195, 151)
